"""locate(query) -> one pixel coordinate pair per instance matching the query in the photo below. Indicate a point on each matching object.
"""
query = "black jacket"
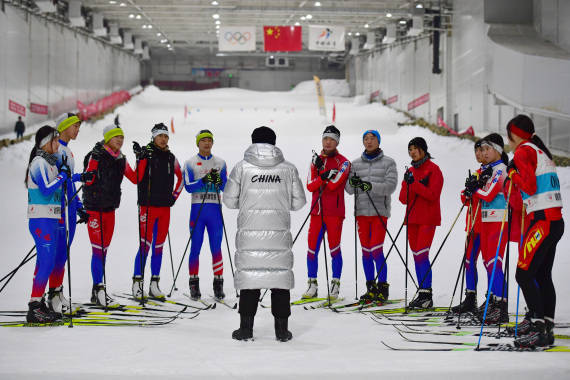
(157, 185)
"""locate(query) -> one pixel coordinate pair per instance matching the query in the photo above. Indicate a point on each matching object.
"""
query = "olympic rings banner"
(326, 38)
(237, 38)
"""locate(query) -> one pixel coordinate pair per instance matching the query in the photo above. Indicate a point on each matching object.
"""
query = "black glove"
(83, 216)
(485, 176)
(317, 161)
(329, 174)
(212, 177)
(409, 177)
(142, 153)
(87, 176)
(365, 186)
(424, 181)
(64, 167)
(471, 185)
(354, 181)
(511, 166)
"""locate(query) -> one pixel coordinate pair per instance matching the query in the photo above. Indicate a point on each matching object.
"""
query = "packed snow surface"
(325, 344)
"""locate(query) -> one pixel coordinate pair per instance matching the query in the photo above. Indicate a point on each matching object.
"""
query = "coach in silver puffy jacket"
(265, 188)
(373, 179)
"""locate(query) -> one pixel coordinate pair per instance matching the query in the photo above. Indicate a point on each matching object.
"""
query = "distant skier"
(265, 188)
(68, 125)
(327, 177)
(101, 196)
(375, 173)
(46, 186)
(156, 195)
(424, 183)
(205, 175)
(19, 128)
(533, 173)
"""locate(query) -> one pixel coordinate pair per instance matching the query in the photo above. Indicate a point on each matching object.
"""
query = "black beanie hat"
(263, 135)
(420, 143)
(159, 129)
(332, 132)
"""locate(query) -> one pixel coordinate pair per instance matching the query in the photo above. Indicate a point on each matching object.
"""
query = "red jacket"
(333, 193)
(425, 209)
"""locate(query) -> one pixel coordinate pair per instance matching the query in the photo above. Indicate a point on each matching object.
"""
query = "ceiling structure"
(191, 25)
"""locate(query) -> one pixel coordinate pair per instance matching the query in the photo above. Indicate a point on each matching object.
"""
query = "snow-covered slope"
(325, 344)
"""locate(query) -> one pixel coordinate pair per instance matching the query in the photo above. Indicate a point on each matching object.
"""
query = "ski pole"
(355, 248)
(390, 236)
(494, 266)
(68, 253)
(325, 247)
(519, 287)
(307, 218)
(225, 234)
(140, 232)
(103, 258)
(11, 274)
(407, 242)
(190, 238)
(441, 246)
(264, 293)
(171, 261)
(147, 244)
(506, 274)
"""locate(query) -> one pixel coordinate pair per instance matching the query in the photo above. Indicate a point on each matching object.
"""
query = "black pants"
(280, 302)
(536, 282)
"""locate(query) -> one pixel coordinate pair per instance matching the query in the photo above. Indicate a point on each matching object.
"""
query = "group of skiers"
(265, 188)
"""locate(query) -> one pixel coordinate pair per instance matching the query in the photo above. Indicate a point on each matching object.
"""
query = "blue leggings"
(45, 234)
(210, 218)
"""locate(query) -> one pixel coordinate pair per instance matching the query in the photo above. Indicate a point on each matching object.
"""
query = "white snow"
(325, 344)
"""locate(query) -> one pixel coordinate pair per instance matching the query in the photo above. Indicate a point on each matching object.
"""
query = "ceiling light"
(215, 2)
(168, 46)
(217, 27)
(309, 17)
(350, 33)
(419, 6)
(122, 5)
(150, 26)
(158, 34)
(297, 23)
(357, 34)
(112, 2)
(218, 22)
(388, 14)
(271, 57)
(366, 25)
(138, 17)
(163, 41)
(317, 3)
(131, 16)
(403, 22)
(216, 16)
(144, 26)
(303, 18)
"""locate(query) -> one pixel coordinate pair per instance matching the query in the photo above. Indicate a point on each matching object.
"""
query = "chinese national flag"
(283, 38)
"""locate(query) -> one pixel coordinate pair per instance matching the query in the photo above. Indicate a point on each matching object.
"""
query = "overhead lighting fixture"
(112, 2)
(297, 23)
(158, 34)
(149, 26)
(122, 5)
(357, 34)
(403, 22)
(215, 2)
(218, 22)
(168, 46)
(216, 16)
(131, 16)
(138, 17)
(143, 26)
(271, 57)
(350, 33)
(163, 41)
(366, 25)
(388, 14)
(419, 6)
(308, 17)
(303, 18)
(317, 3)
(217, 27)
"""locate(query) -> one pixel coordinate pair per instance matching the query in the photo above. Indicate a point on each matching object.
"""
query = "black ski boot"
(498, 312)
(38, 312)
(219, 288)
(549, 325)
(535, 338)
(383, 291)
(469, 304)
(245, 331)
(523, 327)
(282, 332)
(423, 300)
(369, 296)
(194, 283)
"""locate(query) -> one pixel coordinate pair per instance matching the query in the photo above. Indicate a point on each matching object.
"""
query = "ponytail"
(41, 134)
(538, 142)
(505, 158)
(523, 127)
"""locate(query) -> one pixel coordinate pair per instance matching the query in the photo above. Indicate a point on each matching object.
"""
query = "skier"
(424, 182)
(375, 173)
(156, 195)
(488, 191)
(68, 125)
(205, 175)
(533, 173)
(473, 227)
(19, 128)
(265, 188)
(101, 196)
(46, 185)
(326, 180)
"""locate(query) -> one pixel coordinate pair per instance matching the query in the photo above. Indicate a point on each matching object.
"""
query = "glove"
(317, 161)
(409, 177)
(365, 186)
(212, 177)
(329, 174)
(485, 176)
(83, 216)
(84, 177)
(142, 153)
(354, 181)
(511, 168)
(424, 181)
(471, 185)
(65, 168)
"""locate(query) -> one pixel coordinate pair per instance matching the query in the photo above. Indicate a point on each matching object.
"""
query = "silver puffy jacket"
(381, 172)
(265, 188)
